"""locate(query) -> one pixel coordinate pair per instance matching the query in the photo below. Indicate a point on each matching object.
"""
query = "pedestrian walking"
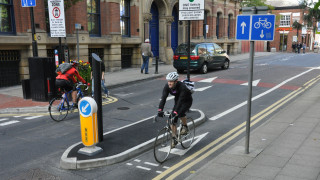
(294, 47)
(304, 48)
(103, 84)
(299, 46)
(146, 53)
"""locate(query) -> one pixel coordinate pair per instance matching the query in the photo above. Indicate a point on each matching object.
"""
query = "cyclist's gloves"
(174, 115)
(160, 113)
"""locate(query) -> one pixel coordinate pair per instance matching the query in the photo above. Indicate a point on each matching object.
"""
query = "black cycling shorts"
(64, 84)
(184, 109)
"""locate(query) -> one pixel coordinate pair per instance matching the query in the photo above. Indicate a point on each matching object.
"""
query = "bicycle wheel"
(162, 145)
(58, 109)
(186, 140)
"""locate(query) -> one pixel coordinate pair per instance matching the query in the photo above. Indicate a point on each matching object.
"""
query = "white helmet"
(173, 76)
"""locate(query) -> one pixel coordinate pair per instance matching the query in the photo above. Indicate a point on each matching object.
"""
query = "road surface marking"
(4, 119)
(33, 117)
(257, 97)
(151, 164)
(159, 172)
(16, 116)
(254, 83)
(209, 80)
(9, 122)
(203, 88)
(137, 160)
(144, 168)
(209, 146)
(166, 167)
(129, 164)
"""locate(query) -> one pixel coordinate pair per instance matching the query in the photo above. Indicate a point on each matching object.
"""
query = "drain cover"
(123, 108)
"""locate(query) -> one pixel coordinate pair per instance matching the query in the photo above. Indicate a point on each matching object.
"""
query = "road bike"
(60, 105)
(162, 144)
(264, 24)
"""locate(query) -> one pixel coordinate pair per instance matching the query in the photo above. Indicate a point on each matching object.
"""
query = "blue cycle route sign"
(85, 108)
(28, 3)
(255, 27)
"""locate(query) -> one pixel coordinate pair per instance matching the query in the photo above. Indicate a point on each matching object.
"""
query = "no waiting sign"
(191, 10)
(56, 17)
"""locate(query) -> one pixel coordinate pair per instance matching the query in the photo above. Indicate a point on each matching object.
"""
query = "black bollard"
(96, 64)
(157, 61)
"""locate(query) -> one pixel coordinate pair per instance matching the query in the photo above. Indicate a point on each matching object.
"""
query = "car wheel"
(204, 68)
(226, 64)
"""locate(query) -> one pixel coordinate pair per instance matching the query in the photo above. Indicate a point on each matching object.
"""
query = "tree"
(251, 3)
(313, 14)
(298, 26)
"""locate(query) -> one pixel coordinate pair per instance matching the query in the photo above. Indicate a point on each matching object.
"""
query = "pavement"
(285, 147)
(11, 98)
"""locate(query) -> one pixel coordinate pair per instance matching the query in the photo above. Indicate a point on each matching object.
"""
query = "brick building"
(114, 29)
(285, 34)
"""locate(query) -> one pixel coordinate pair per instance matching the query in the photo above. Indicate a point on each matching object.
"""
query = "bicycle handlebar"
(81, 84)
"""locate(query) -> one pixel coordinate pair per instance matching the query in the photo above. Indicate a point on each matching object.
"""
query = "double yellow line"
(190, 161)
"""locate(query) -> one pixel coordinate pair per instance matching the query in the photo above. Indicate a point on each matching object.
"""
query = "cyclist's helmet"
(173, 76)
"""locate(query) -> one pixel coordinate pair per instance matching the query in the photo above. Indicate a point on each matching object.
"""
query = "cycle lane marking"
(235, 131)
(258, 96)
(188, 166)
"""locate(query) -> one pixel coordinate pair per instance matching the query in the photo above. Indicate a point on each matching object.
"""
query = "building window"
(218, 24)
(125, 17)
(93, 9)
(285, 20)
(6, 17)
(229, 25)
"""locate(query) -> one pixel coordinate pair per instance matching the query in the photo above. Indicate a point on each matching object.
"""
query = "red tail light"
(175, 57)
(194, 58)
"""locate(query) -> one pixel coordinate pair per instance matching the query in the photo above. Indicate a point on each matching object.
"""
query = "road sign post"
(253, 28)
(190, 10)
(31, 4)
(89, 126)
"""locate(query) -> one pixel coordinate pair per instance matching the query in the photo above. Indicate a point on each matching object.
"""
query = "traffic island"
(121, 144)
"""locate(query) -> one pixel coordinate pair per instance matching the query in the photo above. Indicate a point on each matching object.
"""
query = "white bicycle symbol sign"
(264, 24)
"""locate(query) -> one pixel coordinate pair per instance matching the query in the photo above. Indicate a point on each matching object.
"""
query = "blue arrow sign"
(263, 27)
(28, 3)
(255, 27)
(243, 27)
(85, 108)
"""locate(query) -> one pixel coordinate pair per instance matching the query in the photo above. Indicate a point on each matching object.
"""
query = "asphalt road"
(33, 145)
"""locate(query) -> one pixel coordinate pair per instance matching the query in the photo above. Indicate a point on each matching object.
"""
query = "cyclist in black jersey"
(183, 102)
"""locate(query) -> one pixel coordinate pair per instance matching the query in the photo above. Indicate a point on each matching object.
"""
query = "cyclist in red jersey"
(67, 81)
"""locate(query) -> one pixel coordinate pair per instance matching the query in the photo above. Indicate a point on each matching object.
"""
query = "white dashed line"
(129, 164)
(3, 119)
(159, 172)
(8, 123)
(33, 117)
(151, 164)
(137, 160)
(144, 168)
(16, 116)
(166, 167)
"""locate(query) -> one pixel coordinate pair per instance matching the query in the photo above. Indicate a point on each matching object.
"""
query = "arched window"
(218, 24)
(230, 25)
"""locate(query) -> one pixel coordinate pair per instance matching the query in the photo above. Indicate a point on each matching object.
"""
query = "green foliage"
(84, 69)
(251, 3)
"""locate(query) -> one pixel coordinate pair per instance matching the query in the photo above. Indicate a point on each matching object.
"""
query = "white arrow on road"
(182, 152)
(202, 89)
(254, 83)
(243, 24)
(261, 35)
(84, 109)
(209, 80)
